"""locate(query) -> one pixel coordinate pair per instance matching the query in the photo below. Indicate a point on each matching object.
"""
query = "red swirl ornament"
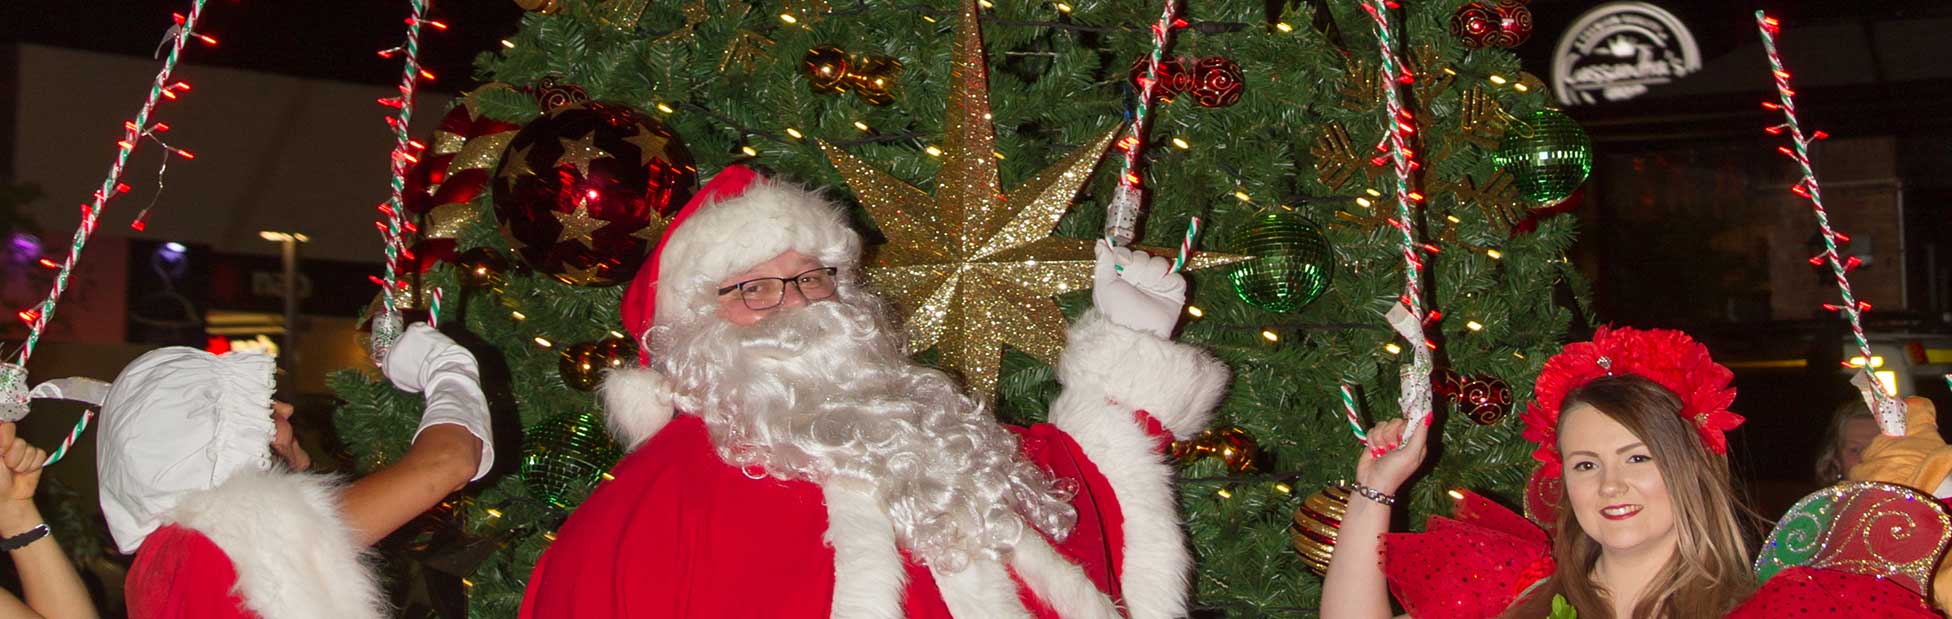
(1217, 82)
(1503, 24)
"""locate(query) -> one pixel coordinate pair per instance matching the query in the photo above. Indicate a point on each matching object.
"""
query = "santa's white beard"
(826, 391)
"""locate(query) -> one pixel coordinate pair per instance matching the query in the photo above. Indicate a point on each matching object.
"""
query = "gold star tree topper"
(970, 268)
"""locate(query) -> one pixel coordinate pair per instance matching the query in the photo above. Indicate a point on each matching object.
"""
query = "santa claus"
(788, 459)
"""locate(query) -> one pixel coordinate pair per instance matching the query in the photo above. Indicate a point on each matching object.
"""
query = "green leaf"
(1561, 609)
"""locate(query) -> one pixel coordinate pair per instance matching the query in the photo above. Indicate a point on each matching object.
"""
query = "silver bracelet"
(1374, 494)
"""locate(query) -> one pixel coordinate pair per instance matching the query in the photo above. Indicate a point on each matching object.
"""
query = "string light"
(1270, 336)
(1283, 488)
(493, 513)
(1242, 196)
(1063, 8)
(1284, 27)
(540, 341)
(1493, 254)
(1363, 202)
(1393, 348)
(1182, 143)
(518, 315)
(1474, 325)
(508, 44)
(795, 133)
(789, 18)
(933, 151)
(1455, 494)
(1224, 493)
(860, 125)
(1195, 311)
(661, 107)
(748, 150)
(1499, 80)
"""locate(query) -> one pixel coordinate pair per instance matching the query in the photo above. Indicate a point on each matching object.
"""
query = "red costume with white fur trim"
(679, 533)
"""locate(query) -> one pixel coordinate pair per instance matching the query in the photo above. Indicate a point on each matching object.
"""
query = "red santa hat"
(740, 219)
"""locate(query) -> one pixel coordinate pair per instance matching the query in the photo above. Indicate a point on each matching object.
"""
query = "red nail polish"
(1427, 420)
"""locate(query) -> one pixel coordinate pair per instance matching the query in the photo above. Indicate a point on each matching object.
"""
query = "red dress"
(180, 574)
(1476, 565)
(678, 533)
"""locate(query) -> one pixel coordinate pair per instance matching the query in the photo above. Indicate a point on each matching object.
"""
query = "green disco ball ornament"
(1548, 155)
(1291, 267)
(564, 455)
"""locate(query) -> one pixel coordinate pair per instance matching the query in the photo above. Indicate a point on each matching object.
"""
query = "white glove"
(1138, 291)
(424, 360)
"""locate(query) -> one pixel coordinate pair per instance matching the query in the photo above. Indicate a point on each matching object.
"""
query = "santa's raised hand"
(1137, 290)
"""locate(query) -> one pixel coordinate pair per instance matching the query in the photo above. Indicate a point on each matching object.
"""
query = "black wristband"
(18, 542)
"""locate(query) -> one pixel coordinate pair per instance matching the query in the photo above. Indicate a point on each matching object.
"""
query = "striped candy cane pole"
(1122, 215)
(1350, 414)
(1890, 413)
(62, 451)
(1416, 379)
(388, 326)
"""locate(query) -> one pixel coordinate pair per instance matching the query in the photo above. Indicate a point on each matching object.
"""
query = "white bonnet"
(178, 420)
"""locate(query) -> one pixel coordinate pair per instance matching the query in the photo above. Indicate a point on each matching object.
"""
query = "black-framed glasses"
(769, 292)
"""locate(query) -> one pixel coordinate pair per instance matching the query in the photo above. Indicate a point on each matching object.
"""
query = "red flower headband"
(1667, 357)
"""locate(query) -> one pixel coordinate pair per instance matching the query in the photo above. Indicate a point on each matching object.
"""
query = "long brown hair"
(1709, 572)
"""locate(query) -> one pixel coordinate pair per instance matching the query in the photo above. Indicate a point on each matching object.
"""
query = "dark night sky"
(334, 39)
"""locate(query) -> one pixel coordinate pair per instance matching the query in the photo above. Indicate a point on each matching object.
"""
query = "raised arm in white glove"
(1138, 291)
(425, 361)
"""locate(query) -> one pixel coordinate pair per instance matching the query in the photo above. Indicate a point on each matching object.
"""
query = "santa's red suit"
(678, 532)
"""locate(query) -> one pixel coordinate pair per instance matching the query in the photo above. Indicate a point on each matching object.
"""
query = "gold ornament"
(1232, 445)
(580, 152)
(1364, 90)
(623, 14)
(1316, 526)
(1432, 76)
(545, 7)
(578, 225)
(971, 269)
(1480, 119)
(746, 47)
(695, 13)
(1336, 159)
(1497, 198)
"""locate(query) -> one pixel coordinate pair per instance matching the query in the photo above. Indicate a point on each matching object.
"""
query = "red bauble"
(1501, 24)
(1174, 78)
(1217, 82)
(1484, 398)
(580, 190)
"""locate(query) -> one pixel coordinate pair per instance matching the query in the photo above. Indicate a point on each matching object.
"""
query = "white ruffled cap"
(178, 420)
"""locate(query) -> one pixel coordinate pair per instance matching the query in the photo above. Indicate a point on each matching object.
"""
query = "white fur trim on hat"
(636, 404)
(179, 420)
(725, 238)
(295, 556)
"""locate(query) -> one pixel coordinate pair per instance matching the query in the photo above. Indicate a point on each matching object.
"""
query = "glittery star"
(971, 269)
(578, 224)
(580, 277)
(517, 164)
(581, 152)
(649, 144)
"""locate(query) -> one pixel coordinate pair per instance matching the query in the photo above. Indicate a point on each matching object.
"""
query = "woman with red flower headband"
(1639, 517)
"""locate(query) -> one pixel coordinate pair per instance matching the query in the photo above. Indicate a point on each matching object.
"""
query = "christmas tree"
(1265, 125)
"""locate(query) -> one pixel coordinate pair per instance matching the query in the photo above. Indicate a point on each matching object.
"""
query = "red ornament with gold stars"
(583, 192)
(1501, 24)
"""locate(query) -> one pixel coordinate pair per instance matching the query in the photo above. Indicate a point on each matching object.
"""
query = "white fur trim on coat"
(981, 590)
(1109, 372)
(869, 578)
(725, 238)
(1058, 582)
(636, 404)
(295, 557)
